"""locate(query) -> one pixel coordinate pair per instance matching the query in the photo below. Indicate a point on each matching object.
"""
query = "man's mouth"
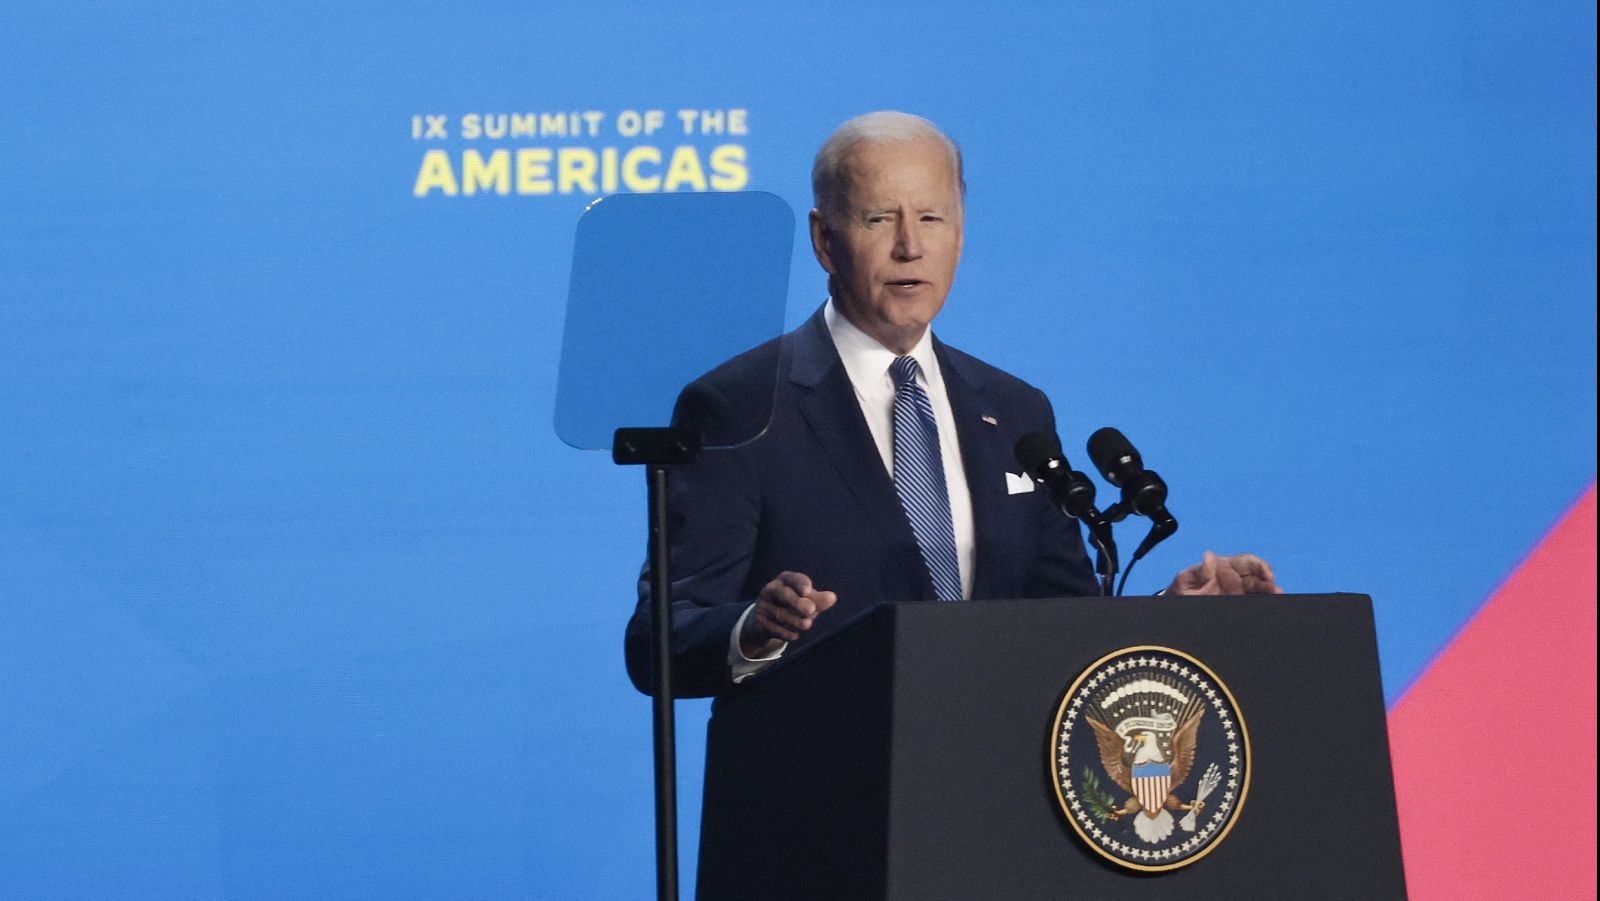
(906, 283)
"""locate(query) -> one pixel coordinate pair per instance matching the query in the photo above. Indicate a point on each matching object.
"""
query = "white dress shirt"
(866, 362)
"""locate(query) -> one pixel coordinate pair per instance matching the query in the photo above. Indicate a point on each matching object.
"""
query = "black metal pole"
(656, 448)
(665, 742)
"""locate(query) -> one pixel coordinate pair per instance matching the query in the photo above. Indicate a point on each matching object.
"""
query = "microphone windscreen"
(1034, 449)
(1108, 448)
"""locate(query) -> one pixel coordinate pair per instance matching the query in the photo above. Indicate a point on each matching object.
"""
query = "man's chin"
(896, 323)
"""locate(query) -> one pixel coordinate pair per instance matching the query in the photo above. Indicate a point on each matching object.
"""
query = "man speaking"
(882, 476)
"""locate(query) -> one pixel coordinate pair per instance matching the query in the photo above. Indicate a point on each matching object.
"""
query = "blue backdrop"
(300, 595)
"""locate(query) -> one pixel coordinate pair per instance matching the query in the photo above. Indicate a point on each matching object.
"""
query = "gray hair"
(830, 183)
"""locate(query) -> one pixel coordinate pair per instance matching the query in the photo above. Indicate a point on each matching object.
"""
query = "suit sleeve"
(715, 508)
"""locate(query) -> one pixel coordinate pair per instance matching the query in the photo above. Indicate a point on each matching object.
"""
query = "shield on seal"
(1151, 783)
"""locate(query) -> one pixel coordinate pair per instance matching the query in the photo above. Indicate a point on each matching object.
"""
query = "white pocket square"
(1018, 484)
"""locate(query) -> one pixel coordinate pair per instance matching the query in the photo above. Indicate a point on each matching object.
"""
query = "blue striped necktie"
(919, 479)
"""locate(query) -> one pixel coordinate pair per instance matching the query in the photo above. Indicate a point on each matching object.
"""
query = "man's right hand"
(787, 607)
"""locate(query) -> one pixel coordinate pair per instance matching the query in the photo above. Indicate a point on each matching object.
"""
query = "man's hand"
(788, 605)
(1236, 575)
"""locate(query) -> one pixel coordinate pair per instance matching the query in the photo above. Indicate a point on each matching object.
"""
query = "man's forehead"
(920, 166)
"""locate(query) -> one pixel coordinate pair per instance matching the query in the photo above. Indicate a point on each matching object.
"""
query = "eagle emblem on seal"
(1150, 758)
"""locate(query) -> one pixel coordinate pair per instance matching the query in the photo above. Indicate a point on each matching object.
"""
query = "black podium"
(906, 757)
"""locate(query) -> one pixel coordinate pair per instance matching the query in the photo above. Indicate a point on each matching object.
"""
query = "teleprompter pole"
(662, 712)
(656, 449)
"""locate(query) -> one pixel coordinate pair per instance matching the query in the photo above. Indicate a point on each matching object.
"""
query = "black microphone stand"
(1105, 553)
(656, 449)
(1162, 525)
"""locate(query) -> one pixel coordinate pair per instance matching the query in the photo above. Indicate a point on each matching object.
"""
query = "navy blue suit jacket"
(811, 495)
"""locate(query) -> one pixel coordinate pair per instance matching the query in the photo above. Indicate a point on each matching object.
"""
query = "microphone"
(1041, 457)
(1143, 491)
(1071, 491)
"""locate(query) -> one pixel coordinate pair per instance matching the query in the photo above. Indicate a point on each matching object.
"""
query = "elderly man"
(882, 474)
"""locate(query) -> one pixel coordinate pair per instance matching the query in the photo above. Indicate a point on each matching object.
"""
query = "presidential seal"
(1150, 758)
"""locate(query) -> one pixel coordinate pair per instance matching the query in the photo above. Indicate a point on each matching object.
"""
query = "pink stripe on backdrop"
(1497, 738)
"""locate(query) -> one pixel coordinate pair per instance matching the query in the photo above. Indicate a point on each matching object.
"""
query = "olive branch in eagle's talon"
(1100, 802)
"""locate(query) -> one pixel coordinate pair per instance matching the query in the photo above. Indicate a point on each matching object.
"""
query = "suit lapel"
(828, 403)
(985, 458)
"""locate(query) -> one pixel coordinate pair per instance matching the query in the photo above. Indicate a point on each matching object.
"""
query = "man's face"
(893, 250)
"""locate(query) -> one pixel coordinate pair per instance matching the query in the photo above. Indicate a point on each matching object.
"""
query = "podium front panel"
(962, 697)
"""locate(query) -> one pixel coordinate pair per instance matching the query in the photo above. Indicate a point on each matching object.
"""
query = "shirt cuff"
(745, 667)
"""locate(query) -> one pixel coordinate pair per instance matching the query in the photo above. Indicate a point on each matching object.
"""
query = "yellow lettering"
(729, 172)
(471, 127)
(553, 124)
(533, 171)
(435, 173)
(630, 169)
(492, 175)
(608, 170)
(736, 122)
(524, 125)
(711, 121)
(575, 167)
(685, 169)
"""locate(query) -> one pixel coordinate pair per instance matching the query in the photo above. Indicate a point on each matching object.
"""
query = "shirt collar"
(866, 361)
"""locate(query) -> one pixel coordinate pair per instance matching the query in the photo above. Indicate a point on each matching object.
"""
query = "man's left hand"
(1235, 575)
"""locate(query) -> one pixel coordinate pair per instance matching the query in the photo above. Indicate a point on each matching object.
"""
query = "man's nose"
(907, 242)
